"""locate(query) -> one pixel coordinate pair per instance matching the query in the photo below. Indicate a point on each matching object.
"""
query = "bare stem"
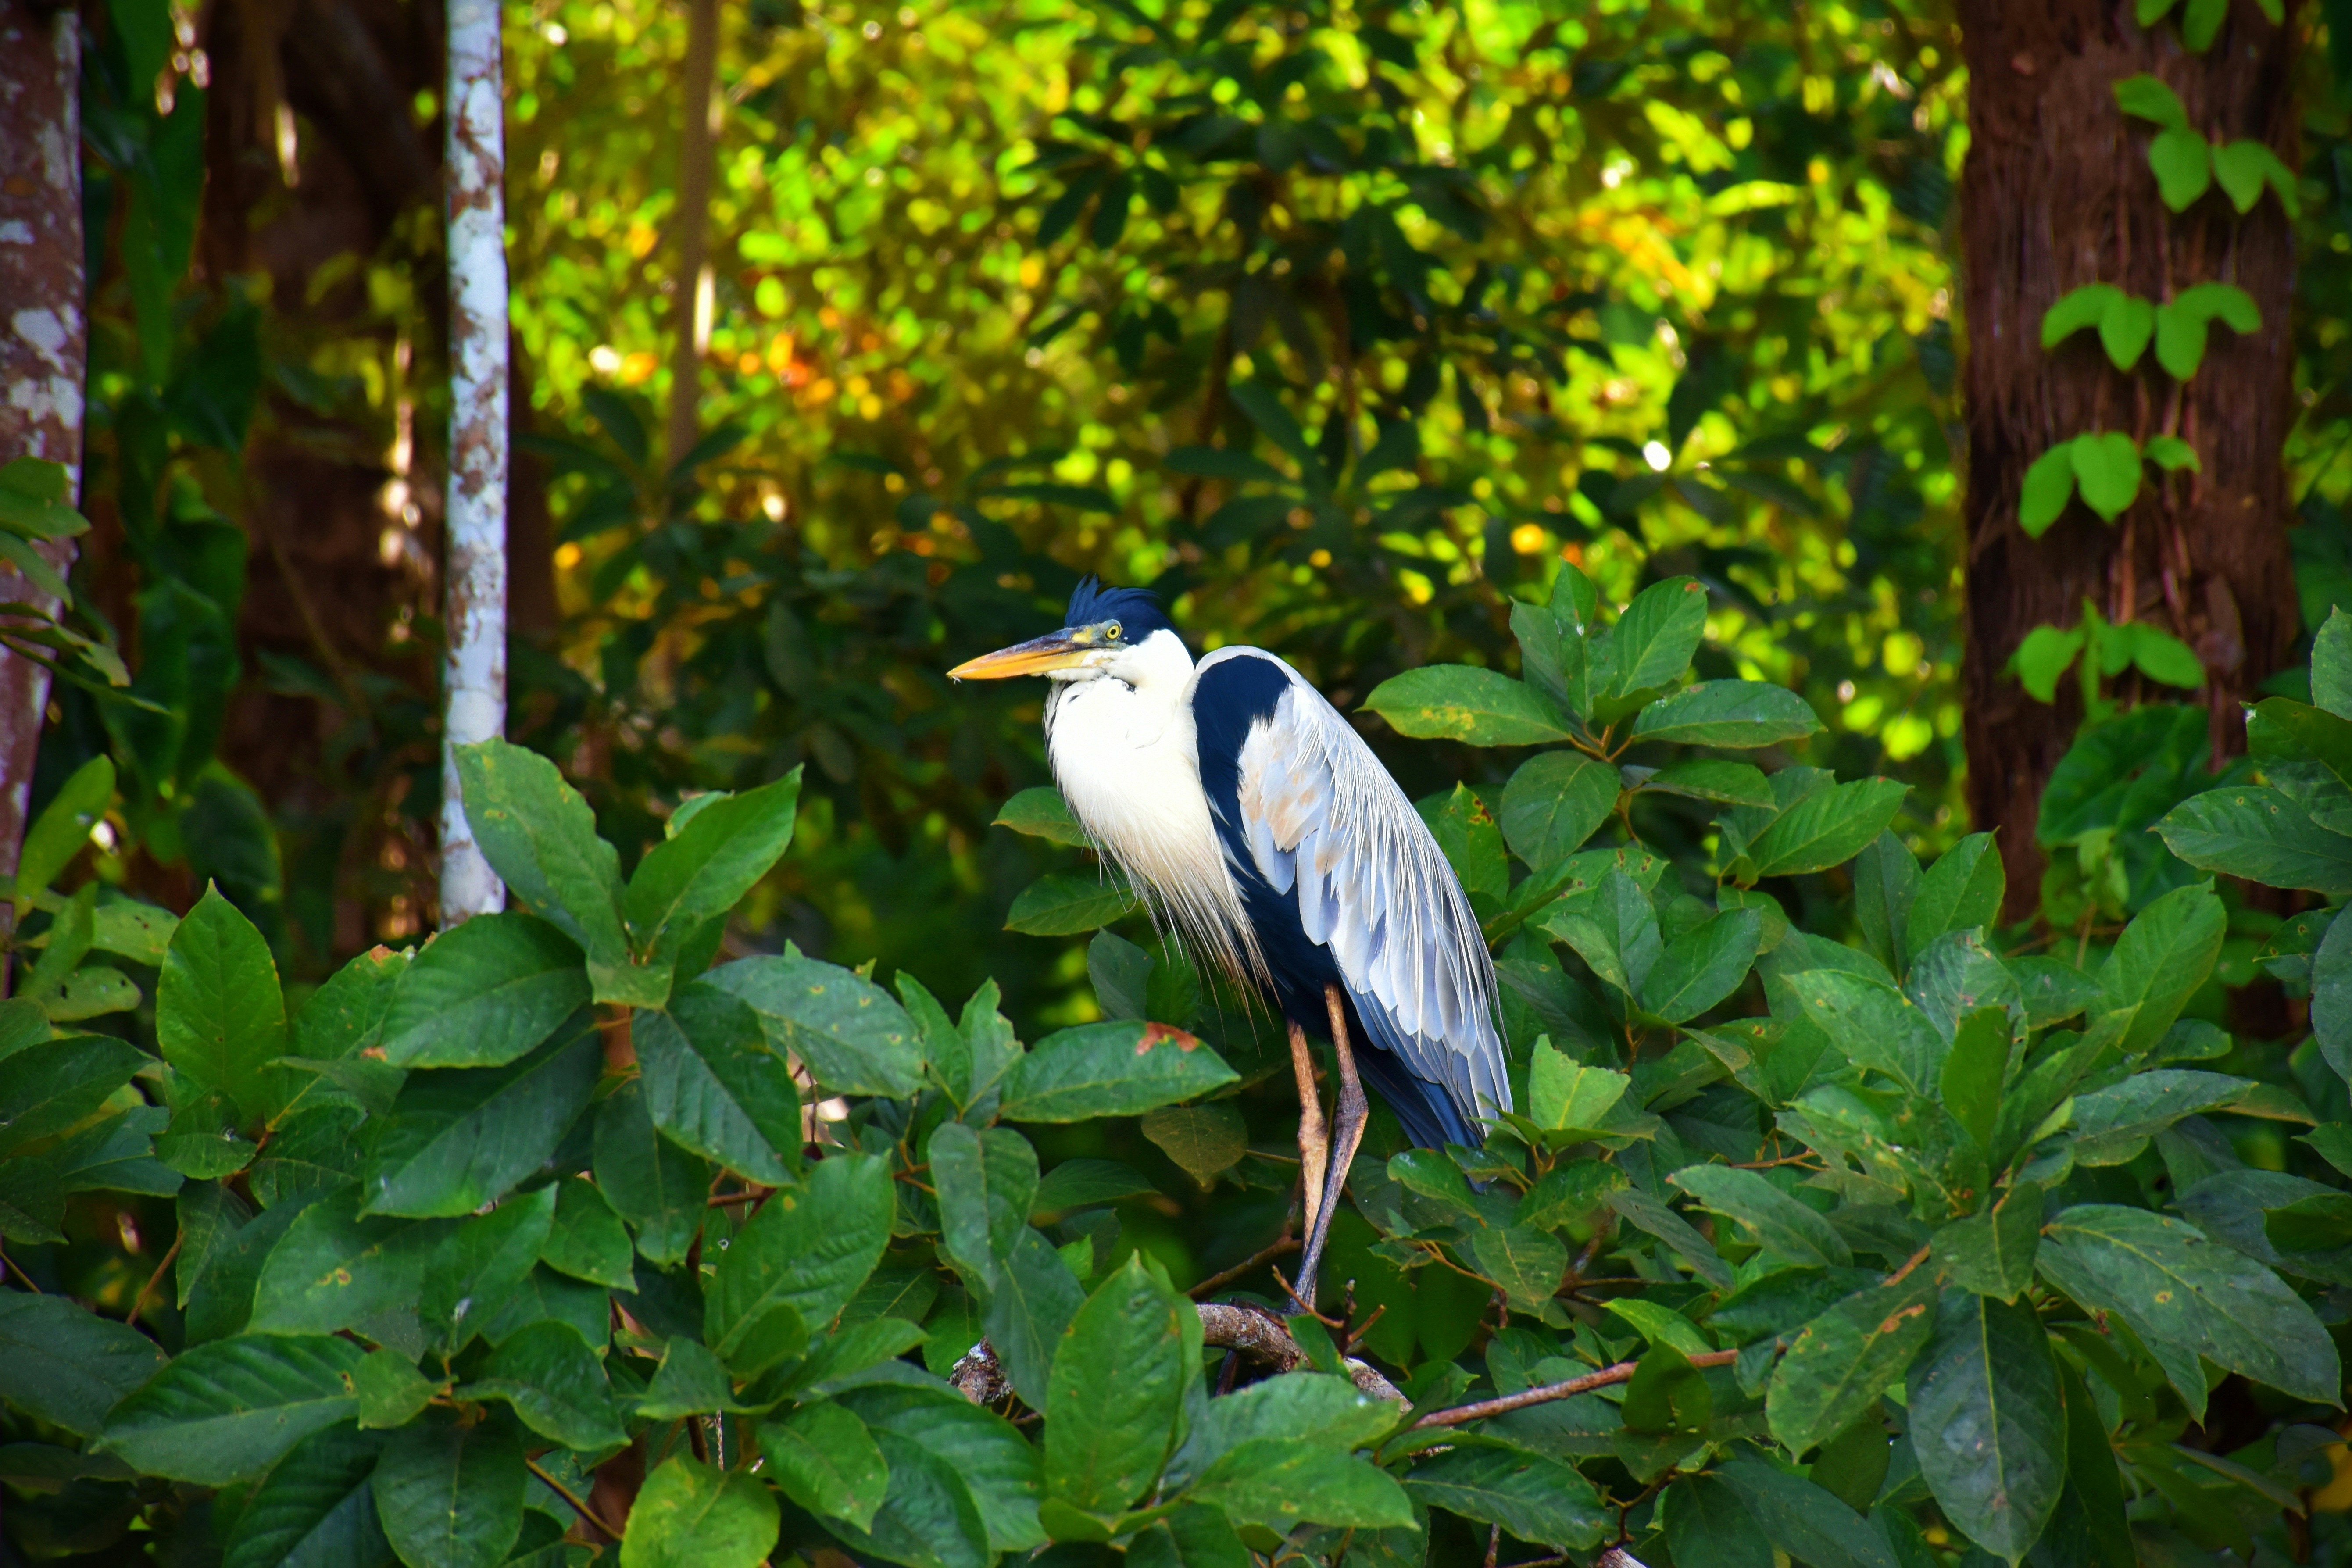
(581, 1508)
(1623, 1372)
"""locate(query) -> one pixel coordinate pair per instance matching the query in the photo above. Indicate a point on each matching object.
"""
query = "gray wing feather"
(1322, 818)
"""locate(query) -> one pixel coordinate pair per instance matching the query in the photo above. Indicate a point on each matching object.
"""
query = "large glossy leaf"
(225, 1412)
(1459, 702)
(1115, 1401)
(1782, 1223)
(987, 1185)
(219, 1018)
(2261, 835)
(714, 1086)
(1708, 1527)
(1554, 803)
(1068, 902)
(1702, 965)
(1527, 1263)
(334, 1268)
(1563, 1093)
(827, 1462)
(2331, 996)
(540, 838)
(457, 1139)
(1735, 713)
(1804, 1521)
(587, 1241)
(928, 1517)
(2158, 962)
(49, 1087)
(1035, 1298)
(1986, 1422)
(1872, 1024)
(703, 869)
(483, 994)
(64, 1365)
(2176, 1288)
(1826, 829)
(317, 1506)
(1654, 640)
(1041, 813)
(556, 1385)
(855, 1039)
(1962, 890)
(659, 1188)
(481, 1264)
(1846, 1358)
(1533, 1497)
(1992, 1253)
(451, 1495)
(1274, 1481)
(1117, 1068)
(807, 1251)
(996, 1464)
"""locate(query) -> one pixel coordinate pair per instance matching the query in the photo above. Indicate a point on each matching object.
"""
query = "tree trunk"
(2057, 193)
(474, 704)
(44, 342)
(693, 302)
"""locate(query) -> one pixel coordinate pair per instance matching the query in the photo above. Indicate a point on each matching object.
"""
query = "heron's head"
(1117, 633)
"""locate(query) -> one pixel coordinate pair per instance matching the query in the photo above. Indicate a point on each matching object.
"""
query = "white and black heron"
(1262, 829)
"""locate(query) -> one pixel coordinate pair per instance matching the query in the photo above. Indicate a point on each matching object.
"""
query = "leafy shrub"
(554, 1233)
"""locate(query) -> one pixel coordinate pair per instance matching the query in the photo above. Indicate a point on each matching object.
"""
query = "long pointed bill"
(1054, 650)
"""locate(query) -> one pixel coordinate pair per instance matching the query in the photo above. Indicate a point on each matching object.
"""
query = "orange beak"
(1054, 650)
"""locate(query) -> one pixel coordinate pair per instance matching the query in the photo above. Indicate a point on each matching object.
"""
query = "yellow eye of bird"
(1114, 631)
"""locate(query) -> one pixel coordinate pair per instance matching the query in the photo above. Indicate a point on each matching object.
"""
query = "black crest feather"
(1137, 610)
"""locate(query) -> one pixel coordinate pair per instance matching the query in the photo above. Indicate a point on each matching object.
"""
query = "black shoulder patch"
(1229, 696)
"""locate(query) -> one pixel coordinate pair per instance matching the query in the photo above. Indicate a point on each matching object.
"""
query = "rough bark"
(694, 280)
(44, 345)
(475, 569)
(2057, 193)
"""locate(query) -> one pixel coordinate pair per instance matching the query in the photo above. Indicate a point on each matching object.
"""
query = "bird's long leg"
(1348, 1112)
(1314, 1144)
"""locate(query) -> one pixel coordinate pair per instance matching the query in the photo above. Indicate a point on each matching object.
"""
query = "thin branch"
(584, 1511)
(1622, 1372)
(1255, 1332)
(1916, 1258)
(9, 1266)
(149, 1288)
(1282, 1244)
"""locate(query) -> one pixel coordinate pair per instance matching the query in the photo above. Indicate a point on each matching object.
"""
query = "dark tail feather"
(1430, 1118)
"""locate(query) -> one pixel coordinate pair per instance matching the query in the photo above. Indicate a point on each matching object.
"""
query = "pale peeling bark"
(475, 585)
(43, 337)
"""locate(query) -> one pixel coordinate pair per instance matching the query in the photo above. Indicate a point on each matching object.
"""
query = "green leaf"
(334, 1268)
(1615, 930)
(1041, 813)
(2161, 657)
(1873, 1025)
(1736, 713)
(1036, 1297)
(2079, 308)
(1992, 1253)
(2261, 835)
(452, 1496)
(48, 1088)
(987, 1185)
(1554, 803)
(225, 1412)
(1115, 1068)
(1781, 1224)
(1468, 837)
(1707, 1526)
(1962, 891)
(1459, 702)
(2172, 454)
(540, 835)
(390, 1392)
(1525, 1263)
(713, 1086)
(1205, 1140)
(1804, 1521)
(2107, 471)
(64, 1365)
(2331, 664)
(827, 1462)
(2183, 163)
(1846, 1358)
(980, 1450)
(2048, 485)
(483, 994)
(587, 1240)
(220, 1019)
(1276, 1481)
(1988, 1424)
(1193, 1537)
(1081, 1184)
(1972, 1072)
(482, 1263)
(1731, 784)
(1563, 1093)
(2242, 169)
(1644, 1212)
(1653, 641)
(317, 1506)
(1826, 829)
(1702, 965)
(2160, 961)
(1667, 1393)
(929, 1517)
(2182, 323)
(457, 1139)
(808, 1250)
(1533, 1497)
(854, 1037)
(2176, 1288)
(1114, 1402)
(1064, 903)
(58, 834)
(2125, 327)
(556, 1385)
(703, 869)
(2145, 97)
(657, 1187)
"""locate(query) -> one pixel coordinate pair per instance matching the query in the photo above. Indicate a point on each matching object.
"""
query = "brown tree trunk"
(2056, 193)
(44, 339)
(692, 304)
